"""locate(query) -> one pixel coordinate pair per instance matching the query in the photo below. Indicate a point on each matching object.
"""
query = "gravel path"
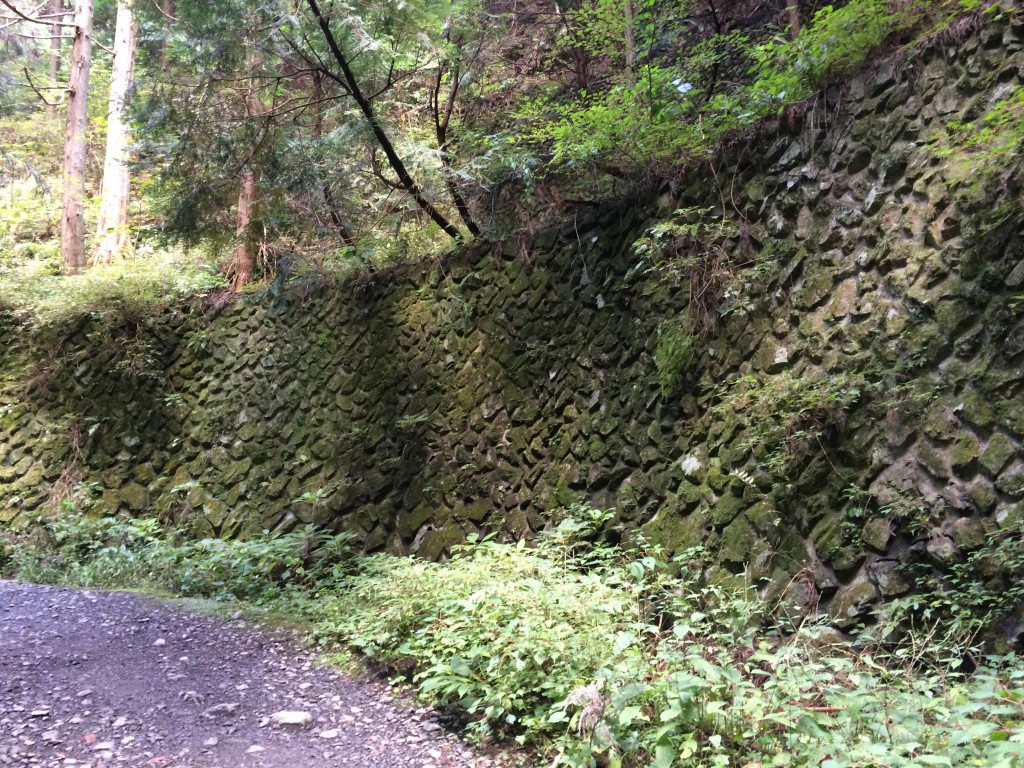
(104, 679)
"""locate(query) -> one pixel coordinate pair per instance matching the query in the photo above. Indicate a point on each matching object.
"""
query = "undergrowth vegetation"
(79, 549)
(590, 653)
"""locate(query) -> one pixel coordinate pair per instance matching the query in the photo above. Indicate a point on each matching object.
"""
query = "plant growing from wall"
(966, 597)
(675, 354)
(692, 250)
(986, 154)
(783, 419)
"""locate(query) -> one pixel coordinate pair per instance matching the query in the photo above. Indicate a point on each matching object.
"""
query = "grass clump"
(37, 295)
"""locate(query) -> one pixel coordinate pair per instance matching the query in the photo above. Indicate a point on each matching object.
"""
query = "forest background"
(214, 144)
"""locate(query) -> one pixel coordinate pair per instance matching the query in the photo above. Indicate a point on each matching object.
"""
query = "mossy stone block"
(983, 494)
(411, 520)
(725, 509)
(965, 451)
(877, 533)
(968, 533)
(827, 535)
(676, 532)
(215, 511)
(999, 450)
(935, 461)
(852, 603)
(135, 496)
(739, 542)
(1011, 480)
(437, 544)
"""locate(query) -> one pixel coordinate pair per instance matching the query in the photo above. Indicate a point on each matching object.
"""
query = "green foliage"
(967, 597)
(652, 114)
(602, 658)
(838, 39)
(595, 653)
(81, 549)
(675, 354)
(133, 289)
(985, 155)
(782, 419)
(691, 251)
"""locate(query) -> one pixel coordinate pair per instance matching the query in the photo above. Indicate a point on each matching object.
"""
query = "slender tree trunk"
(793, 11)
(56, 38)
(167, 9)
(244, 263)
(113, 222)
(630, 35)
(245, 256)
(72, 234)
(441, 123)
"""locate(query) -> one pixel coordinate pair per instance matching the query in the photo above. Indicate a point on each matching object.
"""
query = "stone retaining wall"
(858, 405)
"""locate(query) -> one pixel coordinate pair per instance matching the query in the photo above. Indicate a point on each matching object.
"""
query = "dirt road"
(107, 679)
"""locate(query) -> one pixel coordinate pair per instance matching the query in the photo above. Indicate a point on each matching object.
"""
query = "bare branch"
(37, 92)
(36, 20)
(381, 136)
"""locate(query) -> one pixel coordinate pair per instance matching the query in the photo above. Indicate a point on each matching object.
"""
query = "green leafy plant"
(691, 250)
(985, 155)
(601, 657)
(594, 653)
(675, 354)
(80, 549)
(782, 419)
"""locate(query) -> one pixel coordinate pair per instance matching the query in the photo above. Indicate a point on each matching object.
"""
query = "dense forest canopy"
(366, 133)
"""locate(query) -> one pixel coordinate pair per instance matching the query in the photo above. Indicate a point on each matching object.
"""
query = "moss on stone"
(851, 603)
(739, 542)
(998, 451)
(965, 451)
(678, 532)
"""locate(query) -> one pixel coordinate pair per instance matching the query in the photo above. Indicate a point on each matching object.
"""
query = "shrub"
(78, 549)
(782, 418)
(599, 656)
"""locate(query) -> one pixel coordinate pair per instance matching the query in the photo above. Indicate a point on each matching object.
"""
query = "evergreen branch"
(383, 140)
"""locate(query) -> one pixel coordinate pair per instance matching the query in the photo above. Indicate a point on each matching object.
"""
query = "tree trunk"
(245, 256)
(318, 130)
(72, 234)
(167, 9)
(793, 10)
(630, 35)
(113, 222)
(244, 263)
(56, 38)
(441, 123)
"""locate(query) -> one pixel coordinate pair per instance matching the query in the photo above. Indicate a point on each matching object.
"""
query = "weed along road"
(102, 679)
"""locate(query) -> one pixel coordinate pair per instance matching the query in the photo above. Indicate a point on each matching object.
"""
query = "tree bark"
(630, 35)
(72, 235)
(793, 10)
(245, 257)
(167, 9)
(404, 178)
(244, 262)
(56, 38)
(441, 123)
(113, 222)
